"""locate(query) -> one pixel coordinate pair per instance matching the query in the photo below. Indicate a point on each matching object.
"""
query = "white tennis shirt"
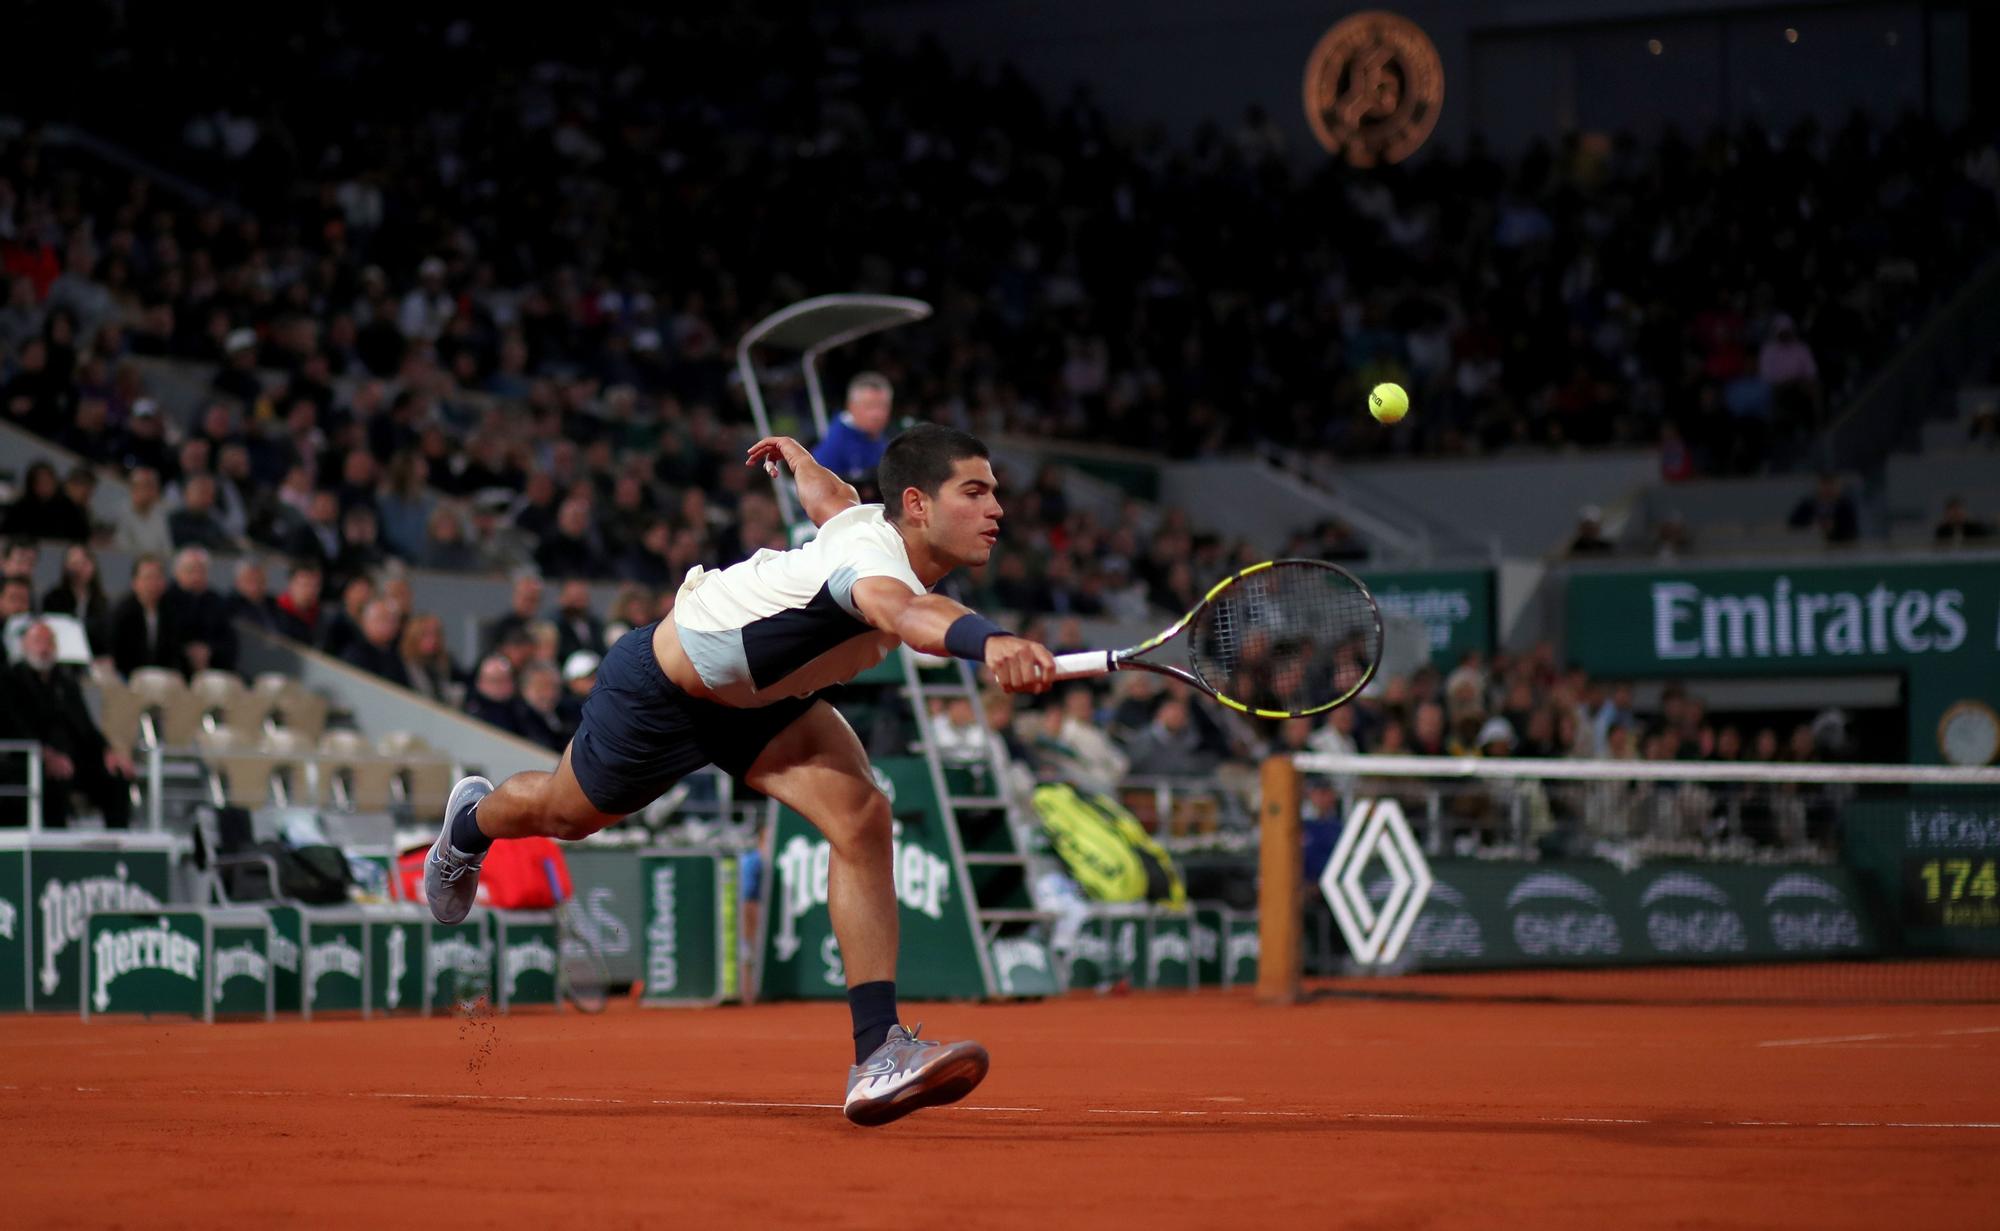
(783, 623)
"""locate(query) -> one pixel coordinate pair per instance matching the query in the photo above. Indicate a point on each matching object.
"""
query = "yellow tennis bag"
(1108, 853)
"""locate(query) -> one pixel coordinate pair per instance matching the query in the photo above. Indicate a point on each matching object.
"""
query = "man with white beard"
(46, 704)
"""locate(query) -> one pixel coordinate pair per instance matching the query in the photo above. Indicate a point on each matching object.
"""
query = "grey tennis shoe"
(451, 877)
(907, 1074)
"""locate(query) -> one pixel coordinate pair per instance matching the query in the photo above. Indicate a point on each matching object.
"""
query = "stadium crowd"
(489, 331)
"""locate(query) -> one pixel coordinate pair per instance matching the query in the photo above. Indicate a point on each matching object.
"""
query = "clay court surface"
(1143, 1111)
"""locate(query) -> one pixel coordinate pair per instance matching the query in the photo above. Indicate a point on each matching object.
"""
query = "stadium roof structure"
(810, 328)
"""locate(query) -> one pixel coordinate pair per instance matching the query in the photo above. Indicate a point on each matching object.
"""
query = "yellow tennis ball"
(1388, 403)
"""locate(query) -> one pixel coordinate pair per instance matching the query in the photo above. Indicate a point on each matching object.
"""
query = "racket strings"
(1292, 638)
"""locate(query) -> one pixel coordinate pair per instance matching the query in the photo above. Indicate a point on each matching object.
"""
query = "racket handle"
(1086, 663)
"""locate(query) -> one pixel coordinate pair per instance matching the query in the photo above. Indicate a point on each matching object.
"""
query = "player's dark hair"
(923, 458)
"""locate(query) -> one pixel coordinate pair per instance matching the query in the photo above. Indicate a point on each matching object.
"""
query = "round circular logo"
(1969, 734)
(1373, 88)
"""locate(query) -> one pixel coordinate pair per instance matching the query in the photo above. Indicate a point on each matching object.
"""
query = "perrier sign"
(1938, 624)
(940, 955)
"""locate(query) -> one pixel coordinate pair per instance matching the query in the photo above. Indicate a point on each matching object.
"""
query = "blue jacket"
(847, 451)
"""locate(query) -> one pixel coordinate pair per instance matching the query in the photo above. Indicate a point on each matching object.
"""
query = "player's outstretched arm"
(822, 493)
(934, 624)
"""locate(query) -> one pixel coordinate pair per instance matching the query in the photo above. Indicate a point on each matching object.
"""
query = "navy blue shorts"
(641, 732)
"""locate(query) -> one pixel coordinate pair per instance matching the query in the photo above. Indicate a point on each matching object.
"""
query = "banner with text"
(1937, 623)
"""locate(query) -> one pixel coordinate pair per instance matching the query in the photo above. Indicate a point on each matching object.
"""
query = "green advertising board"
(1454, 606)
(1484, 914)
(1208, 918)
(1241, 947)
(239, 964)
(942, 956)
(1024, 967)
(526, 945)
(1936, 624)
(1933, 863)
(1170, 959)
(1109, 949)
(691, 929)
(608, 904)
(396, 961)
(16, 989)
(334, 966)
(458, 963)
(68, 880)
(287, 968)
(144, 962)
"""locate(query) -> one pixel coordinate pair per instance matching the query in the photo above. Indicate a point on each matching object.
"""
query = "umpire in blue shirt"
(856, 437)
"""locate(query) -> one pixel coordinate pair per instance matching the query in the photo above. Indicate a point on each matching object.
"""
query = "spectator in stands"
(376, 650)
(955, 731)
(80, 593)
(250, 598)
(33, 398)
(572, 548)
(427, 665)
(143, 441)
(578, 629)
(235, 490)
(19, 559)
(144, 630)
(1170, 746)
(1589, 539)
(1427, 731)
(492, 698)
(343, 625)
(208, 639)
(298, 612)
(1830, 510)
(405, 505)
(319, 533)
(195, 523)
(360, 551)
(1786, 365)
(238, 375)
(579, 675)
(1957, 528)
(1094, 762)
(17, 611)
(524, 608)
(143, 528)
(541, 707)
(44, 510)
(857, 436)
(45, 703)
(444, 544)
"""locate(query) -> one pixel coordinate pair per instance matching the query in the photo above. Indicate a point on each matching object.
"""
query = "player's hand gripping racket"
(1281, 639)
(585, 981)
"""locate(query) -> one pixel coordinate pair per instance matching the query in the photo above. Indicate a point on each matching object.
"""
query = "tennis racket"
(1281, 639)
(581, 975)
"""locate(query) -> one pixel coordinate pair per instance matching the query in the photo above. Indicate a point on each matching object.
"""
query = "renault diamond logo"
(1376, 830)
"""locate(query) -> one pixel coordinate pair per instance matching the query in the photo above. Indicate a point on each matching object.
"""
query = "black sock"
(874, 1008)
(465, 836)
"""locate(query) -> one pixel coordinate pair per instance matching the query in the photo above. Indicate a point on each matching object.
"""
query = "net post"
(1280, 863)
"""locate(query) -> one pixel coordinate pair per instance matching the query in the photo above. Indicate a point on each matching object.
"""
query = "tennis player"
(730, 677)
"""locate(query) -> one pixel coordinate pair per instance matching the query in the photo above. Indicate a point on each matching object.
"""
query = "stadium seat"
(302, 712)
(402, 743)
(351, 775)
(173, 712)
(430, 780)
(217, 696)
(119, 711)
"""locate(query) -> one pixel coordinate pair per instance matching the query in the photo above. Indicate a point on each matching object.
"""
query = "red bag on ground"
(514, 877)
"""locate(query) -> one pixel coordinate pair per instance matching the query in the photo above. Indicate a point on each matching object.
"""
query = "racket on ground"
(581, 975)
(1281, 639)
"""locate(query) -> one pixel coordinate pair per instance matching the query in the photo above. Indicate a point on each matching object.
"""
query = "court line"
(1441, 1122)
(1835, 1039)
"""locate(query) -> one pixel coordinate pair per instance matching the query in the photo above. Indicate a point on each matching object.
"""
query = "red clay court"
(1144, 1111)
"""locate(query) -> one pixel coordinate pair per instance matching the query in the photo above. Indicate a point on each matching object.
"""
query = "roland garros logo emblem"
(1373, 88)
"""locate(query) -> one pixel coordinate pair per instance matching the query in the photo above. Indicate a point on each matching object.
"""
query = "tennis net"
(1617, 880)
